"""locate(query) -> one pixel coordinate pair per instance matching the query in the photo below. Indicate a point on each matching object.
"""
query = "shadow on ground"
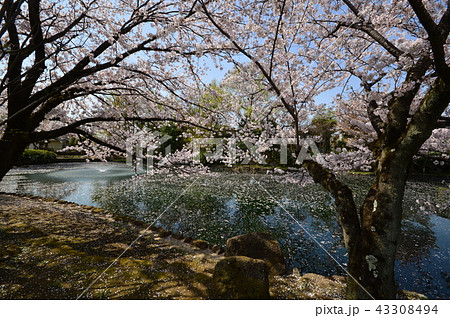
(50, 251)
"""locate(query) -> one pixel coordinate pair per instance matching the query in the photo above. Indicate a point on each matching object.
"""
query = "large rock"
(240, 277)
(260, 246)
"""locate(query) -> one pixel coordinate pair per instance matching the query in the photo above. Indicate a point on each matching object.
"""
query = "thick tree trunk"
(372, 259)
(371, 236)
(12, 145)
(371, 268)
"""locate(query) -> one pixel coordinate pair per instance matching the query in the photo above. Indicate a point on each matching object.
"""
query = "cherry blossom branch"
(277, 31)
(50, 93)
(437, 35)
(67, 29)
(369, 30)
(399, 106)
(174, 93)
(272, 84)
(425, 118)
(96, 140)
(79, 71)
(72, 128)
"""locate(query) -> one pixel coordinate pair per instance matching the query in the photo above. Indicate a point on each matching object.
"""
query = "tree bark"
(371, 236)
(12, 145)
(372, 259)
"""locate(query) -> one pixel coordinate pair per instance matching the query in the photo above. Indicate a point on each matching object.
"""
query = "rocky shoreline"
(53, 249)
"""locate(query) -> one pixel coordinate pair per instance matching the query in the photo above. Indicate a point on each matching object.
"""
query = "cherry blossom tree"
(390, 61)
(101, 70)
(64, 63)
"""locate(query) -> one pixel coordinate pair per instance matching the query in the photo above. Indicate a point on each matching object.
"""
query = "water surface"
(216, 207)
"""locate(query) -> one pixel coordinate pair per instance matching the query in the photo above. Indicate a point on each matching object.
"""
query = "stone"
(201, 244)
(163, 233)
(188, 239)
(97, 210)
(216, 248)
(240, 277)
(260, 246)
(177, 236)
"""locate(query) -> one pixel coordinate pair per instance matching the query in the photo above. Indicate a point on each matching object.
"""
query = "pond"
(217, 206)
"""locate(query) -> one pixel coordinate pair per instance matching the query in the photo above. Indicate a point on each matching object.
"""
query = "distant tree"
(324, 126)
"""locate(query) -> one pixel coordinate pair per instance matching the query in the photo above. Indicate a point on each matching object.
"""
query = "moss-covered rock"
(240, 277)
(261, 246)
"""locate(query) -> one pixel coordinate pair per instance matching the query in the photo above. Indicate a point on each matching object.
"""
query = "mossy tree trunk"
(371, 233)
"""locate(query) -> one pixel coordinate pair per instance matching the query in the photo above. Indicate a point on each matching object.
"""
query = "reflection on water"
(220, 206)
(73, 182)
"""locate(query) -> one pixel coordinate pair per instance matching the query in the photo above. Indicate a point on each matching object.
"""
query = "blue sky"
(218, 74)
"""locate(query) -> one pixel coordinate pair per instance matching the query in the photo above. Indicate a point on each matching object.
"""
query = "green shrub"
(35, 156)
